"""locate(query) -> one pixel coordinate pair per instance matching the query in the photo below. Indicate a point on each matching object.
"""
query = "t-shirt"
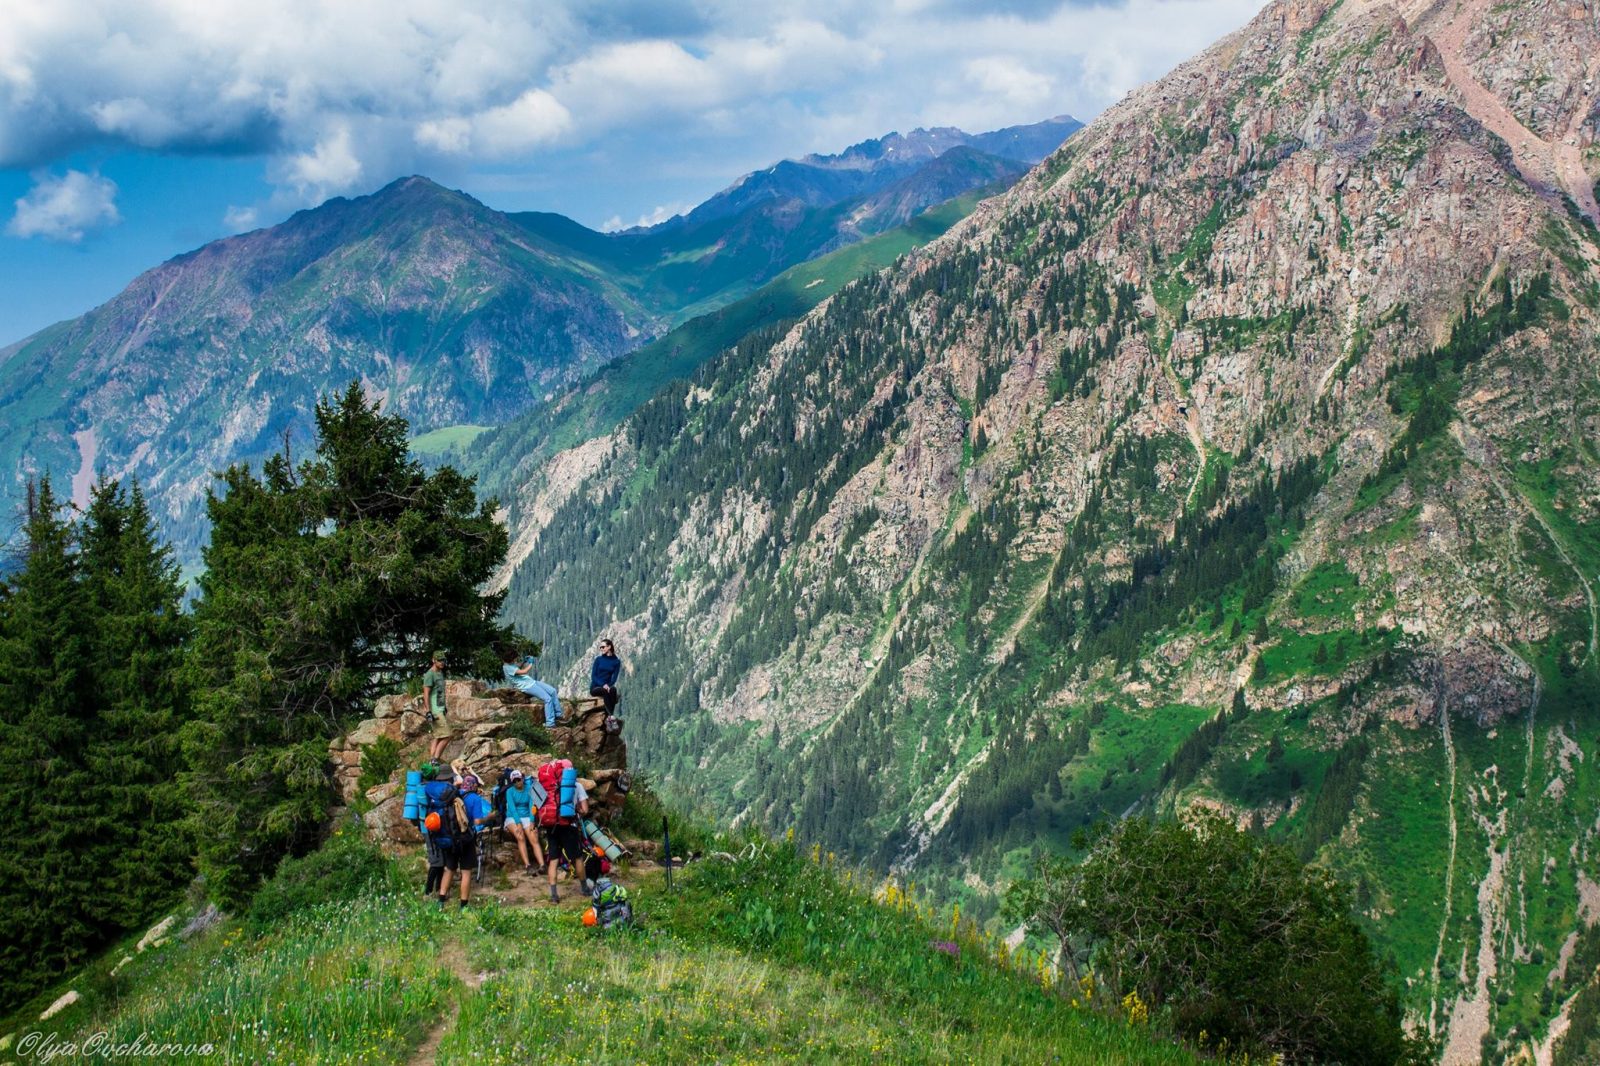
(525, 682)
(433, 681)
(477, 807)
(523, 802)
(580, 795)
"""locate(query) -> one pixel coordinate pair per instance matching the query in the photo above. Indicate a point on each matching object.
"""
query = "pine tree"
(324, 584)
(47, 793)
(138, 632)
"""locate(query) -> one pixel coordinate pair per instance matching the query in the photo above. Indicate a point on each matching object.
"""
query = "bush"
(379, 760)
(346, 867)
(529, 728)
(1226, 937)
(641, 818)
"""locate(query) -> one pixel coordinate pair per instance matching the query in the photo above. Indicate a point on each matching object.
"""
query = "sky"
(134, 130)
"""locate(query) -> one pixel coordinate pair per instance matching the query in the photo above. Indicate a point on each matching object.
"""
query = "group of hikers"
(545, 814)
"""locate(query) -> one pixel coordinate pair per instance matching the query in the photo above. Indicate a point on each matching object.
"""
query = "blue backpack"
(441, 800)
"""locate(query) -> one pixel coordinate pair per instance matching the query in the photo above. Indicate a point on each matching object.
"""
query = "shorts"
(525, 823)
(564, 842)
(463, 855)
(442, 728)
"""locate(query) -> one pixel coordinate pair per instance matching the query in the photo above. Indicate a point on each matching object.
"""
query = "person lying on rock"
(519, 675)
(603, 675)
(522, 808)
(433, 705)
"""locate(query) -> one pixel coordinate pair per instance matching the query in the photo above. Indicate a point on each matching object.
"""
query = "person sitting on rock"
(603, 675)
(433, 704)
(521, 823)
(519, 675)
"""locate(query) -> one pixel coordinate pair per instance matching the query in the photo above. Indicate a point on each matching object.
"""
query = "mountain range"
(1241, 455)
(458, 315)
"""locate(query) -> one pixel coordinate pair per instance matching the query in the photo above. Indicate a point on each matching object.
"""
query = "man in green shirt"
(433, 702)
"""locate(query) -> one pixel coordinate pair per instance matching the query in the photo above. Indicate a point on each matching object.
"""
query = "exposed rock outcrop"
(481, 718)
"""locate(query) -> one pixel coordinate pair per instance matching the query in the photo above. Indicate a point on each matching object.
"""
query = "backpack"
(550, 781)
(611, 906)
(498, 797)
(443, 802)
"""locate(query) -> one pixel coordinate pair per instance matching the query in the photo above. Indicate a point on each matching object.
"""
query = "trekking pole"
(666, 846)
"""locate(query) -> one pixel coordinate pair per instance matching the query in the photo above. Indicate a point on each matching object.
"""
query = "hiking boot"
(463, 905)
(442, 902)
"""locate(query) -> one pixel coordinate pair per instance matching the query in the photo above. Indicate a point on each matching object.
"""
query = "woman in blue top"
(519, 675)
(521, 820)
(603, 675)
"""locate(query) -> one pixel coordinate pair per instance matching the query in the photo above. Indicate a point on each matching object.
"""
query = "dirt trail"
(454, 956)
(1552, 166)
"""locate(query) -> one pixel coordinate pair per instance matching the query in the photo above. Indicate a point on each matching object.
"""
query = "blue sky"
(133, 131)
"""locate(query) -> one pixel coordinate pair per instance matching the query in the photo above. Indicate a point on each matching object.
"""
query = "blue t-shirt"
(523, 802)
(524, 682)
(477, 807)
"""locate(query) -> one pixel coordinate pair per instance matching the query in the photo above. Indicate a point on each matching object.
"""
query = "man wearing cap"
(433, 703)
(522, 810)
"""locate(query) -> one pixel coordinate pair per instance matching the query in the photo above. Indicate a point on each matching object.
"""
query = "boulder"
(207, 918)
(388, 826)
(378, 793)
(118, 967)
(392, 706)
(61, 1004)
(371, 730)
(156, 932)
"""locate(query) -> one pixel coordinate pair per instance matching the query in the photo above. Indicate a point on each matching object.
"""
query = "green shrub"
(529, 728)
(346, 867)
(1225, 937)
(379, 760)
(641, 818)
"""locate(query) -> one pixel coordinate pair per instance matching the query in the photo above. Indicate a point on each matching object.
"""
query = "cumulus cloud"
(655, 217)
(342, 97)
(66, 208)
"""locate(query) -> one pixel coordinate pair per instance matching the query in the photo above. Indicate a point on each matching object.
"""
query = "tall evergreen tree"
(138, 630)
(47, 792)
(324, 583)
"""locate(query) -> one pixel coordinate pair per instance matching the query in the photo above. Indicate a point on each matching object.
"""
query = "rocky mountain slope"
(1242, 455)
(458, 315)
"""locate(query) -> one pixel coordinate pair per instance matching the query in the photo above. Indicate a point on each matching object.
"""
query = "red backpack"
(550, 781)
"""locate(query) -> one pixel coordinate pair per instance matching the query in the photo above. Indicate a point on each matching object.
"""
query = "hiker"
(447, 821)
(522, 803)
(433, 706)
(566, 801)
(603, 675)
(430, 843)
(520, 676)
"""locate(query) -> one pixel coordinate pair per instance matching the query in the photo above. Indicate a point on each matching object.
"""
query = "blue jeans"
(552, 702)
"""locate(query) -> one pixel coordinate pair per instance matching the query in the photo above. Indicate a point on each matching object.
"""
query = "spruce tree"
(324, 584)
(49, 796)
(138, 630)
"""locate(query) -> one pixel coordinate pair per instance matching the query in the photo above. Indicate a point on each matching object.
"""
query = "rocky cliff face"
(1279, 379)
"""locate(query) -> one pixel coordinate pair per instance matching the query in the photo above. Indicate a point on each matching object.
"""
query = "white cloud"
(66, 208)
(343, 97)
(330, 167)
(661, 213)
(239, 219)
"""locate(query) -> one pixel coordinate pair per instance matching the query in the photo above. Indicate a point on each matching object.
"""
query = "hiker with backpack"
(566, 801)
(449, 825)
(603, 675)
(523, 798)
(430, 843)
(433, 707)
(519, 675)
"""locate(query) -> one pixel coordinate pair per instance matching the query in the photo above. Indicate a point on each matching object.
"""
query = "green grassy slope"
(774, 957)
